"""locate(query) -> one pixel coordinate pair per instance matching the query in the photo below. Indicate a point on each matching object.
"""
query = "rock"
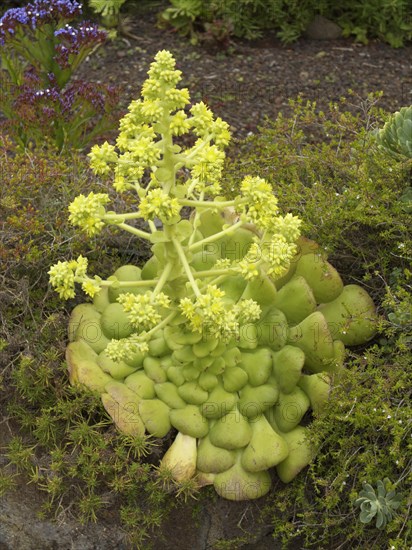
(20, 528)
(323, 29)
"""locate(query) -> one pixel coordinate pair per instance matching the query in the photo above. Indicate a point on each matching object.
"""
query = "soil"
(254, 80)
(244, 85)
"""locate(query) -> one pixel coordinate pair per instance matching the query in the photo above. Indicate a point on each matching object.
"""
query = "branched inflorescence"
(212, 335)
(146, 146)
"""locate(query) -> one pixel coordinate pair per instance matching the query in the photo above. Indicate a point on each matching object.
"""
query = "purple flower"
(32, 96)
(46, 11)
(10, 20)
(73, 40)
(37, 13)
(100, 96)
(85, 33)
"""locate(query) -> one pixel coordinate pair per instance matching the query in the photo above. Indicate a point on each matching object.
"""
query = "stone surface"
(323, 29)
(20, 529)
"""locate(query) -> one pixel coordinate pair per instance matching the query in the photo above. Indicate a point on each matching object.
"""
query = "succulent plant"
(381, 505)
(232, 329)
(396, 135)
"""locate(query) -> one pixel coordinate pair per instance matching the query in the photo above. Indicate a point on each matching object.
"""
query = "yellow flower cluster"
(277, 254)
(260, 205)
(148, 126)
(247, 311)
(91, 286)
(288, 226)
(212, 315)
(63, 275)
(273, 255)
(159, 204)
(248, 266)
(101, 158)
(207, 170)
(222, 263)
(88, 212)
(143, 309)
(127, 171)
(179, 123)
(205, 127)
(119, 350)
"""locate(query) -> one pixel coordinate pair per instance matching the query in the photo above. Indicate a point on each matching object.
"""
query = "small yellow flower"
(63, 275)
(119, 350)
(260, 206)
(288, 226)
(143, 309)
(159, 204)
(247, 311)
(62, 279)
(87, 212)
(91, 287)
(179, 123)
(101, 156)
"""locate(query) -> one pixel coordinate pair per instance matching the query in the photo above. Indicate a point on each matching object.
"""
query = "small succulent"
(381, 504)
(396, 136)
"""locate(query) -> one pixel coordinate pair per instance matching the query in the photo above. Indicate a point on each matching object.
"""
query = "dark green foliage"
(389, 21)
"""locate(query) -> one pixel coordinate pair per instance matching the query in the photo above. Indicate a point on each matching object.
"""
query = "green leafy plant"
(182, 15)
(396, 136)
(327, 169)
(40, 51)
(388, 21)
(381, 504)
(211, 336)
(109, 10)
(249, 19)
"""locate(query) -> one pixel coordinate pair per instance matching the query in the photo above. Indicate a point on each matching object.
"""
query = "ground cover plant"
(354, 199)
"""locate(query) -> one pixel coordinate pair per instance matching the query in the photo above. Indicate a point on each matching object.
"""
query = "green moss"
(82, 457)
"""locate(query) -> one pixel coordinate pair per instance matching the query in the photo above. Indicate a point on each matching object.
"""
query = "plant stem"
(165, 321)
(214, 237)
(127, 216)
(135, 231)
(186, 266)
(163, 279)
(195, 221)
(152, 226)
(218, 279)
(122, 284)
(214, 272)
(216, 204)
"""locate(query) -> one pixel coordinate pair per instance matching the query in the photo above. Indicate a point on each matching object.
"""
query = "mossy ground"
(354, 201)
